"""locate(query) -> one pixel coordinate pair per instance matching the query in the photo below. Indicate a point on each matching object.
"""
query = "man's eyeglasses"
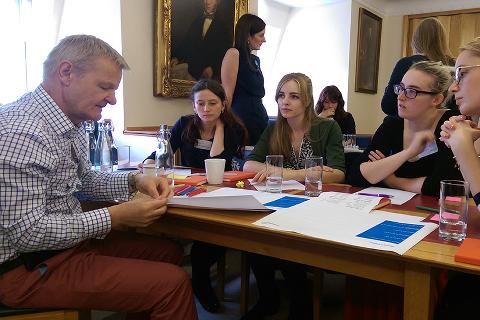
(459, 74)
(410, 93)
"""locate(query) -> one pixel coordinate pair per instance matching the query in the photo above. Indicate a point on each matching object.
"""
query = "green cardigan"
(326, 139)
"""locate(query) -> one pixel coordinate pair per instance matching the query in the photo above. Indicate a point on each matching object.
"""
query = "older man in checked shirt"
(53, 255)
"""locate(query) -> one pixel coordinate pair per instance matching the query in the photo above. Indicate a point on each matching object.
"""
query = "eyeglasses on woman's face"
(410, 93)
(459, 74)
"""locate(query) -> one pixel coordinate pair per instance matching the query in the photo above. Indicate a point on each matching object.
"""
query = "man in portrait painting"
(205, 43)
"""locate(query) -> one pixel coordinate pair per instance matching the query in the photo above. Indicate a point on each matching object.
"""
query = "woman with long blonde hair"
(298, 134)
(429, 42)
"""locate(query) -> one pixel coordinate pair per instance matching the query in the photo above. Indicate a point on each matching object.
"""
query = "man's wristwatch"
(132, 186)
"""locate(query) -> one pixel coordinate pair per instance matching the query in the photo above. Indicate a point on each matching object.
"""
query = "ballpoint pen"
(382, 195)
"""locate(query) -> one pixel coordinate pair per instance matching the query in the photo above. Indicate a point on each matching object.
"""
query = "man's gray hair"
(81, 51)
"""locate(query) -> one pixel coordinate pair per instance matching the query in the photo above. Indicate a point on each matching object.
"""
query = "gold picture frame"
(368, 51)
(172, 76)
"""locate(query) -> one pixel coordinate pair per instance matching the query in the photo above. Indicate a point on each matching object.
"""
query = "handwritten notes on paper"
(397, 197)
(351, 201)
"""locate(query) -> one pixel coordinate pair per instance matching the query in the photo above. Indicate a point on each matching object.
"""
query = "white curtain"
(29, 29)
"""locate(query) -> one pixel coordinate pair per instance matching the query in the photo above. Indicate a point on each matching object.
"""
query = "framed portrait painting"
(191, 38)
(368, 51)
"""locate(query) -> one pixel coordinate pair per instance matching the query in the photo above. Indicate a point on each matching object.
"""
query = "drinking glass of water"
(274, 165)
(453, 209)
(313, 176)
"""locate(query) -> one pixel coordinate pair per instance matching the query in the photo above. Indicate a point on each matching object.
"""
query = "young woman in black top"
(213, 131)
(404, 153)
(331, 105)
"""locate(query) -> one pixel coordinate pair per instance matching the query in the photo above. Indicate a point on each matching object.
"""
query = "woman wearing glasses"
(404, 154)
(457, 133)
(462, 136)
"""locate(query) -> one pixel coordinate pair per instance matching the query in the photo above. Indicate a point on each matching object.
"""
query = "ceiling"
(310, 3)
(305, 3)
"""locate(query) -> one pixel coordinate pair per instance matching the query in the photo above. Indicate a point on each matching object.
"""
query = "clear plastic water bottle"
(164, 159)
(89, 126)
(114, 152)
(103, 151)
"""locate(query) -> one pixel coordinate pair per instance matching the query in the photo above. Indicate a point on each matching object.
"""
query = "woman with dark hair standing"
(213, 131)
(242, 77)
(330, 104)
(429, 42)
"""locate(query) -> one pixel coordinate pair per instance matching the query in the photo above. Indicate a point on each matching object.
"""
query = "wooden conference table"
(414, 271)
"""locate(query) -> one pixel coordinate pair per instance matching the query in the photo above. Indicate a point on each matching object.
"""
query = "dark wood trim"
(141, 131)
(443, 13)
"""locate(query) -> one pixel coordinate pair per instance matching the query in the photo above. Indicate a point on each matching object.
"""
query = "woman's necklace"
(294, 143)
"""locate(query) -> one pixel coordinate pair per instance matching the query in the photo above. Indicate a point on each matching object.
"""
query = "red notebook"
(230, 176)
(192, 180)
(469, 251)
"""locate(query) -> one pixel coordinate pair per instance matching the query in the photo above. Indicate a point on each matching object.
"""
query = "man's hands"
(143, 212)
(137, 213)
(155, 187)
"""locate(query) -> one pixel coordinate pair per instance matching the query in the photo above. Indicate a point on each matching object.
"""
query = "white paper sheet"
(336, 222)
(237, 203)
(286, 185)
(398, 197)
(262, 197)
(352, 150)
(182, 172)
(355, 202)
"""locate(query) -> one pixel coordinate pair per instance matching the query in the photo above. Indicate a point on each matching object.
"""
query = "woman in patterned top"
(298, 134)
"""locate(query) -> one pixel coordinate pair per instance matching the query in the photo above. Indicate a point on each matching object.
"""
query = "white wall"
(366, 107)
(141, 107)
(312, 40)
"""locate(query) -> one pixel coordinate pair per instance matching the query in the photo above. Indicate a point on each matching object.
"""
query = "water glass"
(313, 176)
(453, 209)
(274, 165)
(123, 153)
(149, 170)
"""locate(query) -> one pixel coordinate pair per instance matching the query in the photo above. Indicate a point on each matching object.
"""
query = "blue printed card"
(285, 202)
(391, 231)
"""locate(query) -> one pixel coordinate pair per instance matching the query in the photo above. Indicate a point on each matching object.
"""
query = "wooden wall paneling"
(468, 27)
(461, 26)
(454, 36)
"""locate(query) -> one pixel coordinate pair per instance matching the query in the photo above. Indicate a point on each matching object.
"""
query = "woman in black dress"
(242, 77)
